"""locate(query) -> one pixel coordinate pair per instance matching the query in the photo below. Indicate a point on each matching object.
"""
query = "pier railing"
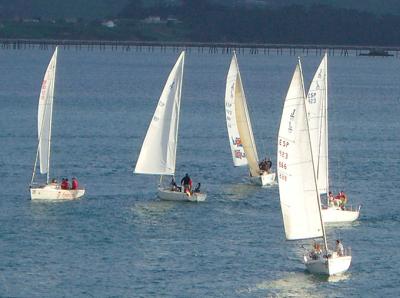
(202, 47)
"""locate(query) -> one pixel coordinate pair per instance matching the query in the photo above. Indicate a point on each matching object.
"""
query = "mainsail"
(240, 132)
(45, 113)
(158, 153)
(317, 110)
(298, 194)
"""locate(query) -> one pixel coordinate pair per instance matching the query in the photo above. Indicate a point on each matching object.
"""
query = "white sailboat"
(241, 139)
(48, 190)
(317, 109)
(298, 191)
(158, 153)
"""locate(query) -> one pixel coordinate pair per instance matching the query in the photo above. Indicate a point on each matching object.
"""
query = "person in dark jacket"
(186, 183)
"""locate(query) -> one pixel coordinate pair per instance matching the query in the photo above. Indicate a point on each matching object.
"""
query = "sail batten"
(297, 191)
(243, 147)
(158, 153)
(45, 114)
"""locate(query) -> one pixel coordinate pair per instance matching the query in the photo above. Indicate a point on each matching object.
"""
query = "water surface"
(120, 240)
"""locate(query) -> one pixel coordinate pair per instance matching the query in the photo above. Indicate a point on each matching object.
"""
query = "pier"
(201, 47)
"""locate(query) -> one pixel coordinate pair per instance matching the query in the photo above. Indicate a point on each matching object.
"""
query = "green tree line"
(317, 24)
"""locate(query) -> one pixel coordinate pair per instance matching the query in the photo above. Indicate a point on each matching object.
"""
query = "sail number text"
(283, 155)
(283, 143)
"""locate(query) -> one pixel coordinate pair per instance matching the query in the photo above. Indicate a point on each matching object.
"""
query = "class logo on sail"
(239, 154)
(291, 120)
(237, 142)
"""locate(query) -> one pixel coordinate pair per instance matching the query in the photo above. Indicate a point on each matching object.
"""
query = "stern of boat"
(264, 179)
(328, 266)
(172, 195)
(334, 214)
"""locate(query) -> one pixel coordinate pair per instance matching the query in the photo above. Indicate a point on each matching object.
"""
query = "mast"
(326, 125)
(51, 125)
(35, 164)
(313, 166)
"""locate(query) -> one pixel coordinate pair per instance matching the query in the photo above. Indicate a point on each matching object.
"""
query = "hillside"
(378, 7)
(87, 9)
(243, 21)
(97, 9)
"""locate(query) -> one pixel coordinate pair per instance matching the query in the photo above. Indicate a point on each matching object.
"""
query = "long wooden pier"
(200, 47)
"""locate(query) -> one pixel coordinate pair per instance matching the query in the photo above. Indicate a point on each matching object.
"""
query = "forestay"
(317, 109)
(45, 114)
(158, 153)
(299, 203)
(239, 125)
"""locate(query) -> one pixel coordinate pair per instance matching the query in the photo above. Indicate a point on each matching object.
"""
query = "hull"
(264, 179)
(333, 214)
(331, 266)
(170, 195)
(54, 192)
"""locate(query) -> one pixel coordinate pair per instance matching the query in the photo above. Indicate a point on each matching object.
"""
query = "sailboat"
(49, 190)
(241, 139)
(158, 153)
(317, 108)
(298, 191)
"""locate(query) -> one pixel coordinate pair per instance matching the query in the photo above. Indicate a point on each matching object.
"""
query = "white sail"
(45, 113)
(238, 155)
(158, 153)
(317, 110)
(298, 194)
(239, 125)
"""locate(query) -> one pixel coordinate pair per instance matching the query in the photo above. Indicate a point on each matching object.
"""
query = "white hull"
(334, 214)
(264, 179)
(54, 192)
(331, 266)
(170, 195)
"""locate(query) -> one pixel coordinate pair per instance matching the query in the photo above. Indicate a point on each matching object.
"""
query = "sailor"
(337, 200)
(343, 199)
(316, 252)
(75, 184)
(268, 164)
(265, 165)
(331, 199)
(174, 187)
(186, 182)
(197, 189)
(64, 183)
(339, 248)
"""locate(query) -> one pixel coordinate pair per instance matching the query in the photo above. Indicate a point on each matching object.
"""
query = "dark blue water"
(120, 240)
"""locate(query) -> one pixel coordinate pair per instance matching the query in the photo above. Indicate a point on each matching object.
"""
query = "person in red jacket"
(75, 184)
(187, 184)
(65, 184)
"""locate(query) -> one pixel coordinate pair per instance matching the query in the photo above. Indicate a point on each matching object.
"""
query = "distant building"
(153, 20)
(31, 20)
(173, 20)
(108, 24)
(71, 20)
